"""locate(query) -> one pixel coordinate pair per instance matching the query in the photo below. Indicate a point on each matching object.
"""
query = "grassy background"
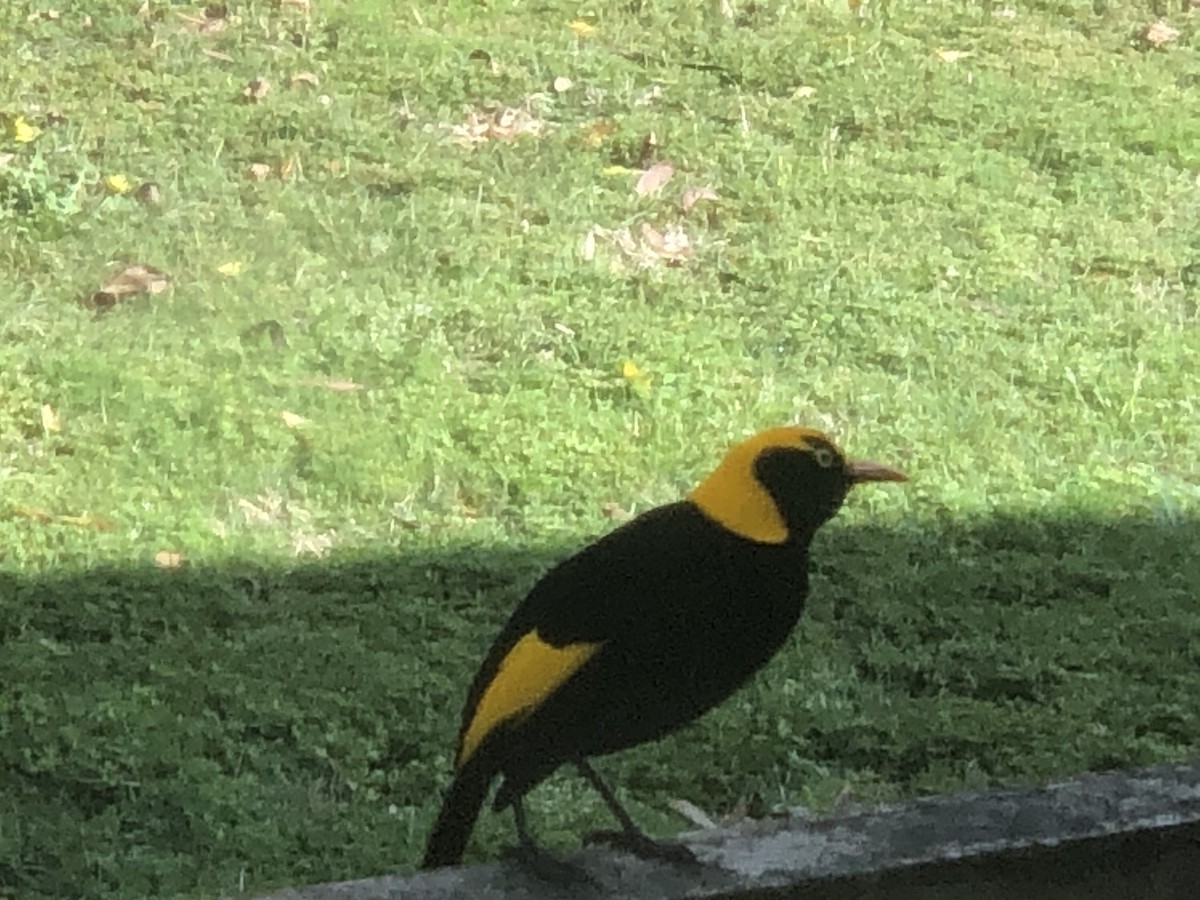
(963, 242)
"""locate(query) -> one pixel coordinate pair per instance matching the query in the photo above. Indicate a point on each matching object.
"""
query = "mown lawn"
(396, 331)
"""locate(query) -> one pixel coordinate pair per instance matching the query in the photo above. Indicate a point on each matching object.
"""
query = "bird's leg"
(537, 860)
(630, 837)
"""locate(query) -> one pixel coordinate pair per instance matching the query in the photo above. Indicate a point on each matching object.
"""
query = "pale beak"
(860, 470)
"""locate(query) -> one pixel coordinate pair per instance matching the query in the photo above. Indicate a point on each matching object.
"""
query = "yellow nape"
(735, 499)
(530, 672)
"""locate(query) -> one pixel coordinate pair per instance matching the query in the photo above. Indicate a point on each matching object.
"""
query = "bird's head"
(783, 484)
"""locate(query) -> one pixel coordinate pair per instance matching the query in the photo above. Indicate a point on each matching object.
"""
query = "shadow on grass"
(166, 732)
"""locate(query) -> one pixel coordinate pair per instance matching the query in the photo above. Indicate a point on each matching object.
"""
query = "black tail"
(460, 809)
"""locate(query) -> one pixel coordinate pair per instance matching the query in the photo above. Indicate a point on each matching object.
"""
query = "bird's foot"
(549, 868)
(643, 846)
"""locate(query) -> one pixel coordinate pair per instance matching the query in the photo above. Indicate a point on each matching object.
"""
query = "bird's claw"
(642, 846)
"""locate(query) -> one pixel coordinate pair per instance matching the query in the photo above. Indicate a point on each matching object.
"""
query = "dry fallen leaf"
(231, 269)
(653, 179)
(85, 520)
(581, 27)
(615, 511)
(267, 510)
(291, 420)
(671, 245)
(694, 194)
(338, 384)
(149, 193)
(258, 171)
(951, 56)
(214, 20)
(135, 279)
(305, 79)
(50, 421)
(588, 248)
(1158, 34)
(31, 512)
(256, 89)
(168, 559)
(504, 124)
(313, 544)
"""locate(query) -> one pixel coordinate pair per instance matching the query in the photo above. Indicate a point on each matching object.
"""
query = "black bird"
(644, 630)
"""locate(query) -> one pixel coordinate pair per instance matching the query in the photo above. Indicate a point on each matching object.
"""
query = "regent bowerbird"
(644, 630)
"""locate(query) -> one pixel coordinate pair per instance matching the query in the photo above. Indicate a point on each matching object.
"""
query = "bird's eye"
(824, 457)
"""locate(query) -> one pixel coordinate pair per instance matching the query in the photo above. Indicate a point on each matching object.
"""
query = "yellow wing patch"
(531, 672)
(734, 498)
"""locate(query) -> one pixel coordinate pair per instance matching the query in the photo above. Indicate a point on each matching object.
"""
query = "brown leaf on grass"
(340, 385)
(588, 248)
(672, 245)
(304, 79)
(258, 171)
(213, 20)
(268, 509)
(32, 512)
(88, 520)
(653, 179)
(693, 194)
(307, 543)
(951, 56)
(149, 193)
(84, 520)
(615, 511)
(256, 89)
(650, 248)
(168, 559)
(1158, 34)
(135, 279)
(504, 124)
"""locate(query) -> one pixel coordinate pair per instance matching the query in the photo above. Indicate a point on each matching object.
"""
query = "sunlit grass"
(962, 242)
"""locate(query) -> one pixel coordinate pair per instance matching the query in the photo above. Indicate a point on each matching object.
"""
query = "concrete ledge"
(1127, 835)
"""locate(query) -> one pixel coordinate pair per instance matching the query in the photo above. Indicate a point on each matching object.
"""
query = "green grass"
(983, 270)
